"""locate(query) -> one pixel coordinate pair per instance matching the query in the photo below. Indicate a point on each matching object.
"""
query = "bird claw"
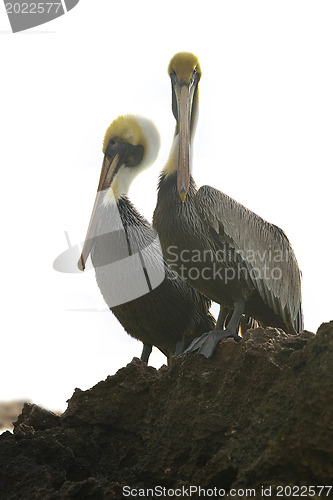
(207, 343)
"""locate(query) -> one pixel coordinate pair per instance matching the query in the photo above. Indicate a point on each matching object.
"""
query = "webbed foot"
(206, 344)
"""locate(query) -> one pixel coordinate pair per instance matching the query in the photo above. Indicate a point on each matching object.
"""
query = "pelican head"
(131, 144)
(185, 73)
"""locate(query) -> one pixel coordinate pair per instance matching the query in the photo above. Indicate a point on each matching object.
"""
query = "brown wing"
(264, 249)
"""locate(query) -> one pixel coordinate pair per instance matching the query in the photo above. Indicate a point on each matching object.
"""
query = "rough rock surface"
(258, 414)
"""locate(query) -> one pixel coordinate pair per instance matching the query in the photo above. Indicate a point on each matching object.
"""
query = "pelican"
(218, 246)
(150, 301)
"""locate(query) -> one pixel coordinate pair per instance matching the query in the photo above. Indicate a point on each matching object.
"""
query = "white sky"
(264, 137)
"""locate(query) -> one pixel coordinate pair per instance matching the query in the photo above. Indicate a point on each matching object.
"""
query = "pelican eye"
(195, 76)
(112, 147)
(174, 78)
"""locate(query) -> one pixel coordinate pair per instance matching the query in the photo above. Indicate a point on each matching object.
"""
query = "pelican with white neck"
(151, 302)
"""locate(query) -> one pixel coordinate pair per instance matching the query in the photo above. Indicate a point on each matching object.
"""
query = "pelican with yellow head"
(223, 250)
(150, 301)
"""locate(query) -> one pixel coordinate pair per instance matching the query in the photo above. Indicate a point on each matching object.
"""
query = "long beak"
(184, 94)
(109, 169)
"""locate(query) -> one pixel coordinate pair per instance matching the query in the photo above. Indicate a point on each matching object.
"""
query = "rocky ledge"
(258, 415)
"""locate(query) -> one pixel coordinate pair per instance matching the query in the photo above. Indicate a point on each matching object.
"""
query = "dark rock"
(34, 418)
(258, 414)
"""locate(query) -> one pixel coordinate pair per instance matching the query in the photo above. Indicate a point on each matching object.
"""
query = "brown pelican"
(221, 248)
(150, 301)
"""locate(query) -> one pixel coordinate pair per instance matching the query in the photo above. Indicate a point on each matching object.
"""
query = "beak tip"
(182, 196)
(183, 190)
(81, 264)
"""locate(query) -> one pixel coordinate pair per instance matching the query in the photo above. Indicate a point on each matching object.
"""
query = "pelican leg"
(207, 343)
(146, 351)
(223, 315)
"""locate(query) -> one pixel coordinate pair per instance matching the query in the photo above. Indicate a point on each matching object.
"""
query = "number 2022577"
(32, 7)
